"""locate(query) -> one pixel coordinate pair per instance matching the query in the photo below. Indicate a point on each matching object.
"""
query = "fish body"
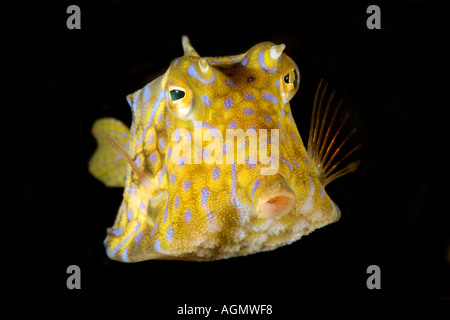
(192, 190)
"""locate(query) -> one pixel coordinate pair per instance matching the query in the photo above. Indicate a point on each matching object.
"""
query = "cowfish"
(213, 165)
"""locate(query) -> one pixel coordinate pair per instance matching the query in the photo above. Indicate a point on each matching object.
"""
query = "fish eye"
(289, 83)
(179, 99)
(291, 77)
(177, 94)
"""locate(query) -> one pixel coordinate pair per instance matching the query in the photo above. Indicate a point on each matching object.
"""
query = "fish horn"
(268, 59)
(204, 67)
(187, 47)
(276, 51)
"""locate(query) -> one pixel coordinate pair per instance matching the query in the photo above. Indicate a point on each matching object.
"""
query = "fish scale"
(174, 208)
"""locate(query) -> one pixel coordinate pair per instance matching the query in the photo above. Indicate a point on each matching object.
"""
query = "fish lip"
(276, 205)
(271, 196)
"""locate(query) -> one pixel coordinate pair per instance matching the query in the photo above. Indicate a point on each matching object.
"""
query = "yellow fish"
(213, 165)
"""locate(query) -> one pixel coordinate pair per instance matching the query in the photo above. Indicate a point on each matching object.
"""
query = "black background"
(394, 212)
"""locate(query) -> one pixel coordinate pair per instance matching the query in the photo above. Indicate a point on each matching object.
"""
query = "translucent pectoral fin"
(107, 164)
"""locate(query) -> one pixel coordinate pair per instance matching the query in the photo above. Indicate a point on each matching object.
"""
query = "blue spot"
(206, 125)
(162, 144)
(155, 107)
(125, 255)
(153, 157)
(192, 72)
(160, 117)
(282, 113)
(216, 173)
(172, 178)
(244, 62)
(230, 83)
(322, 193)
(255, 186)
(205, 100)
(170, 233)
(225, 148)
(267, 118)
(233, 124)
(307, 162)
(236, 58)
(168, 123)
(177, 202)
(234, 199)
(205, 195)
(151, 138)
(158, 245)
(295, 161)
(286, 162)
(154, 229)
(130, 215)
(311, 188)
(186, 184)
(187, 215)
(175, 63)
(263, 65)
(132, 190)
(162, 174)
(169, 153)
(277, 83)
(248, 111)
(282, 130)
(166, 208)
(177, 135)
(138, 161)
(293, 136)
(142, 206)
(117, 232)
(214, 132)
(181, 161)
(268, 97)
(138, 237)
(146, 93)
(249, 96)
(251, 162)
(228, 103)
(205, 153)
(134, 103)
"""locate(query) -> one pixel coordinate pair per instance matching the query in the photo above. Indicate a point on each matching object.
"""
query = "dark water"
(394, 208)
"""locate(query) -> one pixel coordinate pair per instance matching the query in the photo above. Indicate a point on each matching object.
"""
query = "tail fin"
(107, 164)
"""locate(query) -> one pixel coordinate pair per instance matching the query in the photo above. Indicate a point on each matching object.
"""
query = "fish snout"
(271, 196)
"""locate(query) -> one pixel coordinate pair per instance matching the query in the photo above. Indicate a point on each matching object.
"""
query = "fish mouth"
(271, 196)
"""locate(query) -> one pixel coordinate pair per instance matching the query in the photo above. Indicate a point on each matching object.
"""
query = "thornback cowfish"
(214, 166)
